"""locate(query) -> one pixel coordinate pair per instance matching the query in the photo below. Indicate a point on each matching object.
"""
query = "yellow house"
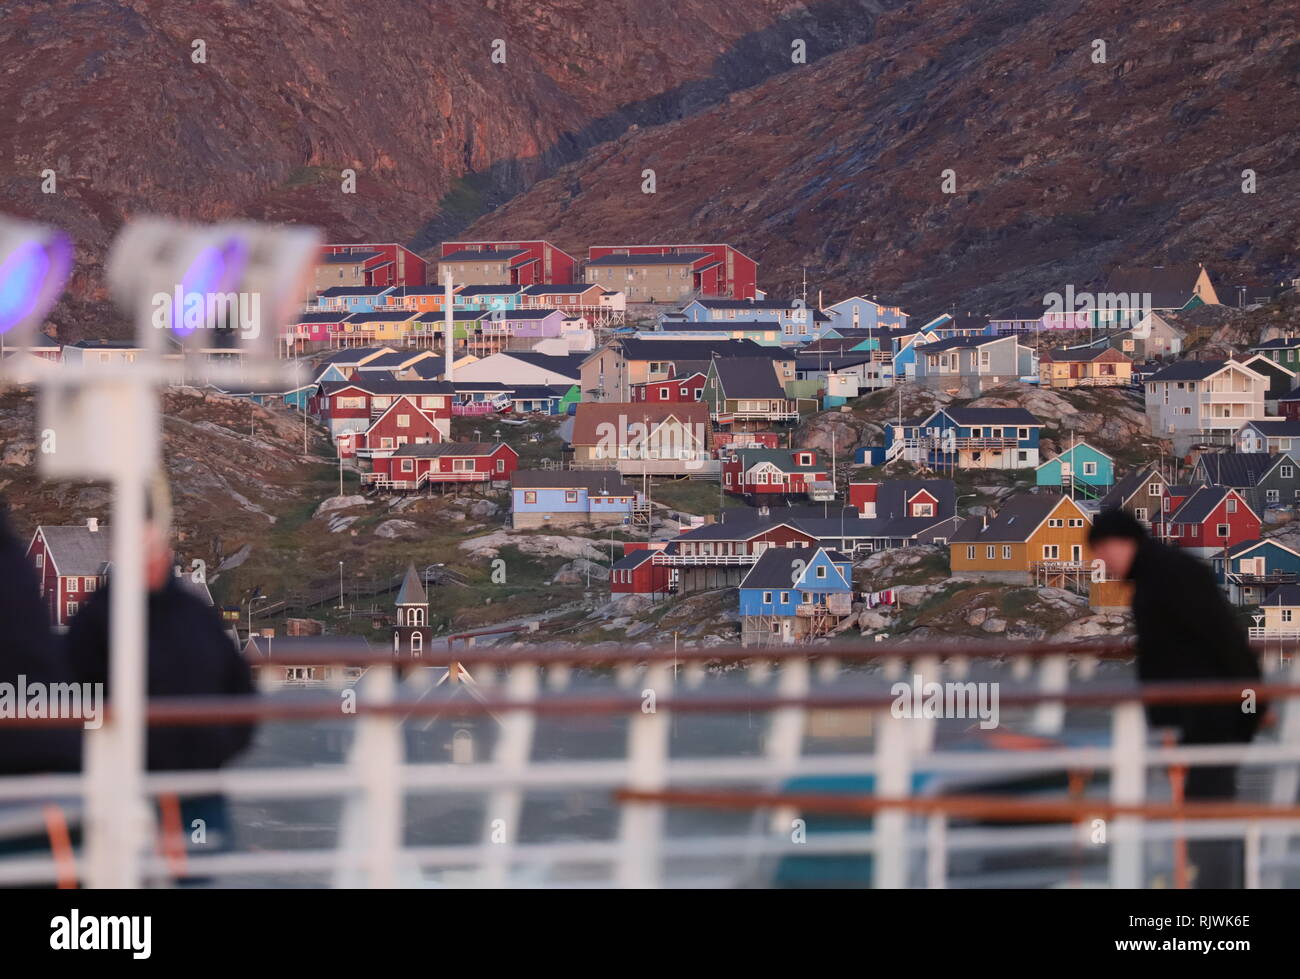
(1034, 538)
(1090, 366)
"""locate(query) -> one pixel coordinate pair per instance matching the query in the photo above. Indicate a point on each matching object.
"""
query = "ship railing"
(910, 838)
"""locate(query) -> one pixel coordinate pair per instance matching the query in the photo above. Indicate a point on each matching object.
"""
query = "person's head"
(158, 557)
(1114, 538)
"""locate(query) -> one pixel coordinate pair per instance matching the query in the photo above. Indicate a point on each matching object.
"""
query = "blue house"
(860, 312)
(1256, 567)
(354, 299)
(488, 297)
(564, 498)
(799, 322)
(793, 594)
(967, 438)
(1081, 470)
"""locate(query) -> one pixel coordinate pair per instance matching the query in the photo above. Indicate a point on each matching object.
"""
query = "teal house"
(1080, 470)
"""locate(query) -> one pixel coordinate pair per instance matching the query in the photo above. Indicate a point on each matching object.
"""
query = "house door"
(1076, 552)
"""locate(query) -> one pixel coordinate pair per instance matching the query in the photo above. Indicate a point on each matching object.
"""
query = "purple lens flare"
(32, 277)
(215, 269)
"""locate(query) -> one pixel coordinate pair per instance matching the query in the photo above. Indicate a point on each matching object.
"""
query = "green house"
(1081, 469)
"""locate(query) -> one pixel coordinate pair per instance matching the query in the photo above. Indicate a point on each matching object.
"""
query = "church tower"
(411, 634)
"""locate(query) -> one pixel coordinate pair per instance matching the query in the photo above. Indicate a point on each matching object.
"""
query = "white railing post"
(893, 778)
(1053, 677)
(1127, 786)
(1286, 779)
(504, 807)
(378, 758)
(641, 824)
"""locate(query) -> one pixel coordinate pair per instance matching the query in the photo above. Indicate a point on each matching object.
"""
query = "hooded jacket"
(1187, 631)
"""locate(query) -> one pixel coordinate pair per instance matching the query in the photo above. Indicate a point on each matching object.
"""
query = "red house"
(904, 498)
(1208, 522)
(417, 466)
(543, 263)
(350, 407)
(403, 423)
(381, 265)
(636, 573)
(71, 562)
(769, 472)
(723, 272)
(675, 389)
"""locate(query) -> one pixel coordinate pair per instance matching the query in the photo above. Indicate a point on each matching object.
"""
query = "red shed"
(674, 389)
(1210, 521)
(636, 573)
(71, 563)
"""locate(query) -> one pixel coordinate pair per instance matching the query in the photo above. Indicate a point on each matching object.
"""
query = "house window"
(1221, 530)
(970, 553)
(1272, 496)
(72, 608)
(1153, 489)
(417, 643)
(1022, 433)
(1232, 506)
(821, 571)
(1056, 522)
(570, 496)
(403, 421)
(462, 465)
(1286, 615)
(88, 585)
(923, 509)
(1140, 513)
(72, 585)
(1090, 469)
(1006, 552)
(767, 598)
(408, 465)
(1076, 521)
(1051, 552)
(992, 552)
(530, 496)
(785, 598)
(663, 394)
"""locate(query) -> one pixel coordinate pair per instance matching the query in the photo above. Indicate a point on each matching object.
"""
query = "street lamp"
(258, 598)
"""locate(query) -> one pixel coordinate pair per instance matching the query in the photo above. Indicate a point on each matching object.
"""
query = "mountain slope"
(405, 92)
(1061, 165)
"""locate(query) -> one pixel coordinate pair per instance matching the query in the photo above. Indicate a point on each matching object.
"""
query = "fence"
(910, 837)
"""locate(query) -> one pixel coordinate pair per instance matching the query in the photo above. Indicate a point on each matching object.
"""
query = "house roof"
(425, 450)
(1278, 343)
(748, 378)
(1015, 521)
(1236, 469)
(633, 559)
(412, 591)
(542, 289)
(1127, 486)
(1246, 546)
(968, 415)
(1084, 354)
(961, 343)
(589, 417)
(380, 384)
(1283, 428)
(1169, 286)
(382, 316)
(479, 254)
(776, 568)
(716, 326)
(77, 550)
(1198, 507)
(338, 292)
(570, 365)
(684, 258)
(1283, 595)
(599, 482)
(342, 258)
(635, 348)
(498, 290)
(784, 459)
(337, 316)
(1188, 370)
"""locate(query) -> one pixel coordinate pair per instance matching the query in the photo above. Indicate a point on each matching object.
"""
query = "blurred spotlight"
(34, 265)
(227, 286)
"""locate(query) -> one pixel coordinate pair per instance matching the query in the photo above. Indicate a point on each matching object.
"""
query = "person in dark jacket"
(189, 655)
(1186, 631)
(28, 649)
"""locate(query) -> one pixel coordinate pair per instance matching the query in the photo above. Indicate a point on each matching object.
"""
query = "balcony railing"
(834, 605)
(687, 560)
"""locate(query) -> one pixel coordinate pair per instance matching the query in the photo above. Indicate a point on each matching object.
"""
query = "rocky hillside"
(1061, 165)
(112, 96)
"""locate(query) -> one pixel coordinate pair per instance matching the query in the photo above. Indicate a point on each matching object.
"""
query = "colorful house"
(1141, 493)
(352, 299)
(1254, 567)
(1264, 480)
(677, 390)
(1090, 366)
(967, 438)
(795, 594)
(1033, 539)
(414, 467)
(1268, 436)
(771, 473)
(967, 366)
(744, 394)
(71, 564)
(643, 438)
(402, 423)
(859, 312)
(667, 273)
(568, 498)
(521, 262)
(637, 573)
(1208, 521)
(1081, 469)
(1281, 611)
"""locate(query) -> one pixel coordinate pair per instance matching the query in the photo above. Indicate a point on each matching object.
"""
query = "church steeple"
(410, 637)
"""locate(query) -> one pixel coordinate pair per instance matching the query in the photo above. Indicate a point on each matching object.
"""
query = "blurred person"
(1186, 631)
(30, 654)
(189, 655)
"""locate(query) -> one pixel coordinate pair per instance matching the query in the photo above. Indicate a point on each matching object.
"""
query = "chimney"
(92, 524)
